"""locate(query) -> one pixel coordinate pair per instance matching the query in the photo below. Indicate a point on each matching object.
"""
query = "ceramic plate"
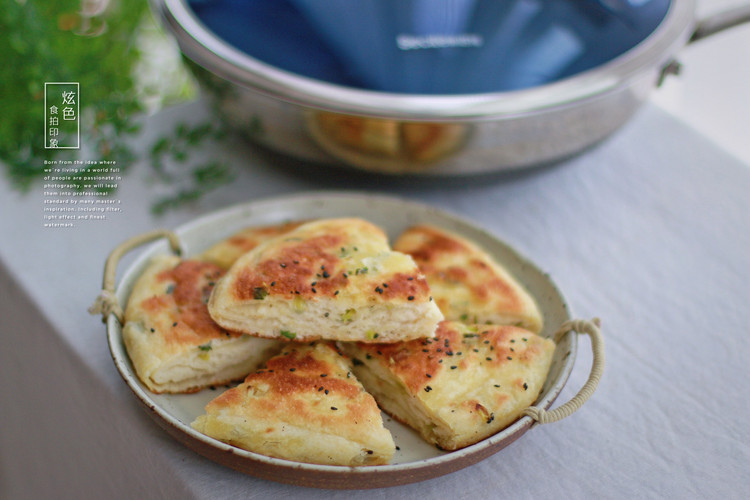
(415, 460)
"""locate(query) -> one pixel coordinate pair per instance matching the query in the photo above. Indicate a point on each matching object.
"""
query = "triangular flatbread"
(172, 341)
(467, 284)
(460, 387)
(334, 279)
(305, 405)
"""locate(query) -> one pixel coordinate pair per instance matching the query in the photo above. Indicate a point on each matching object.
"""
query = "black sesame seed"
(427, 388)
(453, 367)
(282, 265)
(410, 297)
(334, 408)
(323, 374)
(174, 324)
(525, 386)
(292, 369)
(509, 358)
(488, 358)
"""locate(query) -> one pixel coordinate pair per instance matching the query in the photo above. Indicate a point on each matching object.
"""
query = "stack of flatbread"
(325, 325)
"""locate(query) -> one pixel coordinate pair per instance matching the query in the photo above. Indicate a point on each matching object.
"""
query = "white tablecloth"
(649, 231)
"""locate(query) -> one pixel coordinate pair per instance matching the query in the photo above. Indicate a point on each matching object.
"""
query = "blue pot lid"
(433, 46)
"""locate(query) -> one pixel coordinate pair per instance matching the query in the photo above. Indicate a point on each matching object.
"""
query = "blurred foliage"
(125, 66)
(89, 42)
(169, 153)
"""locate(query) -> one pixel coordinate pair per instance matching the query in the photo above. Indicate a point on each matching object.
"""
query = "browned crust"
(288, 381)
(431, 248)
(312, 268)
(227, 251)
(419, 362)
(187, 288)
(297, 269)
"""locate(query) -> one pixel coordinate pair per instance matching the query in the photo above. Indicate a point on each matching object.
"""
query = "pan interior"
(433, 46)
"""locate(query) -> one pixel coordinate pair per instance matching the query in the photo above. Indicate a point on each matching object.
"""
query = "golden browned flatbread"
(335, 279)
(467, 284)
(460, 387)
(306, 406)
(172, 341)
(227, 251)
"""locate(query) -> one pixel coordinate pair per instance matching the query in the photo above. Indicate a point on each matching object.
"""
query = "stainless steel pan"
(438, 135)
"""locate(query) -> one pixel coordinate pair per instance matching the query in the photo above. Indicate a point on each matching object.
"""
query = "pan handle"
(591, 328)
(721, 21)
(106, 303)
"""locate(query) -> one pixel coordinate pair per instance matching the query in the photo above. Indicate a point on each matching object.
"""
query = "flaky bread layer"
(394, 399)
(216, 362)
(329, 319)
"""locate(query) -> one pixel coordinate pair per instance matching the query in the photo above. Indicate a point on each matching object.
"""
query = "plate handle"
(721, 21)
(106, 303)
(592, 329)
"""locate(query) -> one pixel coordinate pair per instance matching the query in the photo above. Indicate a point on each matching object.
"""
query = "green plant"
(62, 41)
